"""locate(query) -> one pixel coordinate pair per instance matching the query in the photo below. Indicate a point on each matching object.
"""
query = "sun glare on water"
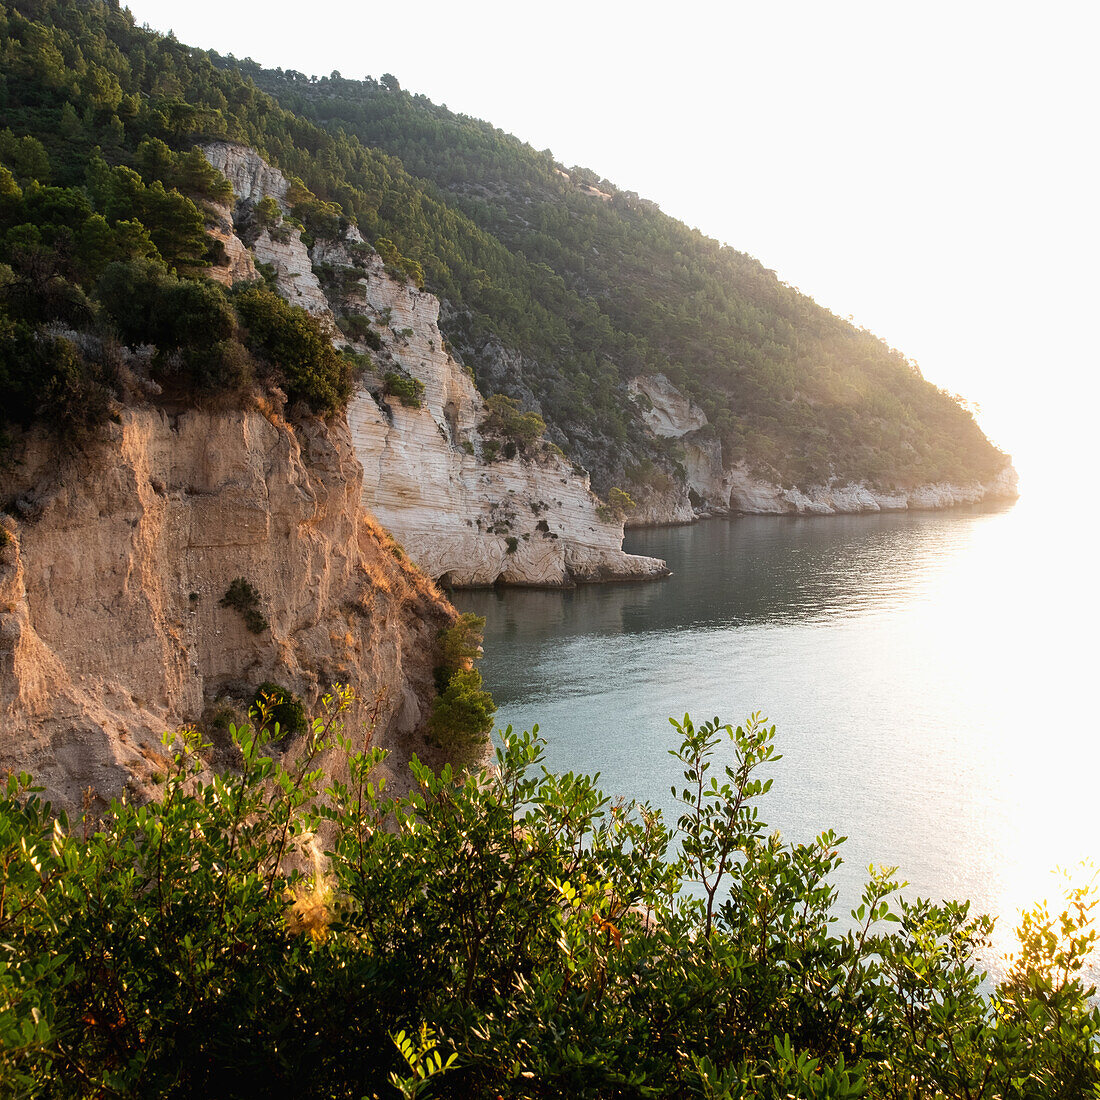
(1025, 577)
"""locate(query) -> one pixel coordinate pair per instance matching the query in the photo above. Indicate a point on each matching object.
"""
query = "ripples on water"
(930, 675)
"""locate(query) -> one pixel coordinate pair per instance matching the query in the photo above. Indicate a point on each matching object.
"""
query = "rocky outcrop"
(468, 510)
(704, 487)
(114, 564)
(662, 508)
(665, 410)
(530, 519)
(711, 486)
(295, 280)
(251, 176)
(752, 495)
(236, 264)
(280, 246)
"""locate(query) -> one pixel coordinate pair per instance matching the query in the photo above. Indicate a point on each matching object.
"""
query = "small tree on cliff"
(295, 345)
(462, 711)
(619, 502)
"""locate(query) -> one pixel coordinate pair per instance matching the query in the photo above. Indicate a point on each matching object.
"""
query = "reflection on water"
(733, 572)
(930, 675)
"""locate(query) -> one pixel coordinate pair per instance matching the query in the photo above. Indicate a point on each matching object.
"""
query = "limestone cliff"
(468, 510)
(115, 560)
(282, 246)
(236, 263)
(712, 484)
(528, 519)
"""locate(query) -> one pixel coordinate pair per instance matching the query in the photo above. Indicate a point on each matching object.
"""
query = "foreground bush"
(508, 933)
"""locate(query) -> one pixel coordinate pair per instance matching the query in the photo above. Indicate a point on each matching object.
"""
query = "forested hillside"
(554, 292)
(86, 97)
(788, 384)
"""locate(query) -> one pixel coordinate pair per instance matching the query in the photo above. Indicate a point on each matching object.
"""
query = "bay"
(931, 676)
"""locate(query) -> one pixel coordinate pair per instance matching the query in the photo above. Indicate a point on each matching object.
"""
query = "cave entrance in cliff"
(446, 581)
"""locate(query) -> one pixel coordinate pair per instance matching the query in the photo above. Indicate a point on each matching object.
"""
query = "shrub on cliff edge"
(293, 342)
(462, 711)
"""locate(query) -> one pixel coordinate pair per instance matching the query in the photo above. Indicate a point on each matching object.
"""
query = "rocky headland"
(467, 517)
(712, 484)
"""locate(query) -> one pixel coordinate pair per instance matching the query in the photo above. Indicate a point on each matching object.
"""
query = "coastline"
(749, 496)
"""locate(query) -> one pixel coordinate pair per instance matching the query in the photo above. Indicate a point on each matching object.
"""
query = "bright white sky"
(929, 169)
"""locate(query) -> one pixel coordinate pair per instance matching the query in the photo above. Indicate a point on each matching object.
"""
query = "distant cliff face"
(115, 561)
(710, 485)
(526, 519)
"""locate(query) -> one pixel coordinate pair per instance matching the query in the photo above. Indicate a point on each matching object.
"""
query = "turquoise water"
(931, 677)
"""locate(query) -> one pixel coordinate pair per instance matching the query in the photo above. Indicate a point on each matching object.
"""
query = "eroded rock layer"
(115, 563)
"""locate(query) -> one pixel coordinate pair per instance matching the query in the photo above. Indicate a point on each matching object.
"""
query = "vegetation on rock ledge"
(462, 711)
(241, 595)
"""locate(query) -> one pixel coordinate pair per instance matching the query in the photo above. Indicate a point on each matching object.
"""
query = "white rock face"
(111, 631)
(239, 265)
(526, 520)
(294, 277)
(253, 179)
(666, 411)
(756, 497)
(707, 478)
(712, 488)
(529, 521)
(670, 508)
(669, 414)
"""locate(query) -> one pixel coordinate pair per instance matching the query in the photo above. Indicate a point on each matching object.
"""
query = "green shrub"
(293, 342)
(619, 502)
(357, 327)
(172, 949)
(273, 705)
(462, 713)
(50, 378)
(268, 273)
(243, 597)
(398, 264)
(319, 217)
(267, 213)
(190, 173)
(460, 643)
(505, 419)
(408, 390)
(150, 306)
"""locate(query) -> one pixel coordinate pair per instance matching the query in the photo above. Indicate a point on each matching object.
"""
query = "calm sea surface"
(933, 679)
